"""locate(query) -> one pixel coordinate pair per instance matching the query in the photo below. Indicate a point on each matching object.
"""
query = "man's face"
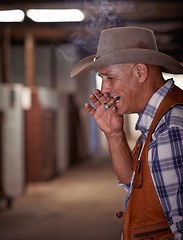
(120, 80)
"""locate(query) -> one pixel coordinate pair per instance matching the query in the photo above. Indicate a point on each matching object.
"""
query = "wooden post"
(53, 67)
(5, 52)
(29, 59)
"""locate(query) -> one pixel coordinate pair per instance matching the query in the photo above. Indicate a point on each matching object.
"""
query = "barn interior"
(56, 176)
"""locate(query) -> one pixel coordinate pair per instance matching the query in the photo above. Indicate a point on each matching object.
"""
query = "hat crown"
(127, 45)
(121, 38)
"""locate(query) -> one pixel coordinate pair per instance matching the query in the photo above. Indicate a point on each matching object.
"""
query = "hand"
(109, 121)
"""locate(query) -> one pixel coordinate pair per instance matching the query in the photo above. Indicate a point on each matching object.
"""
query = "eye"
(105, 75)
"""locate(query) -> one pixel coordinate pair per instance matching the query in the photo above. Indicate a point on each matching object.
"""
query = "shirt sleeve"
(125, 186)
(166, 152)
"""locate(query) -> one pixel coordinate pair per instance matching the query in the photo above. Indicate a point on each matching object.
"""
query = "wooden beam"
(29, 59)
(5, 53)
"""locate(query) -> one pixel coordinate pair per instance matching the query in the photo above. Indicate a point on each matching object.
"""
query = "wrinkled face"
(121, 80)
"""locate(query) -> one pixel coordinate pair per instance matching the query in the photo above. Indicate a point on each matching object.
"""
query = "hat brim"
(134, 55)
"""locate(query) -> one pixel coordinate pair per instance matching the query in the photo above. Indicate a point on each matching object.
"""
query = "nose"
(106, 86)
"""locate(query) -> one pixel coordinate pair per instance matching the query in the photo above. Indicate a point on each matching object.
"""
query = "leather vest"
(144, 217)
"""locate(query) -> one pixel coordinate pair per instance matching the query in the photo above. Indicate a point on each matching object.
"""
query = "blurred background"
(56, 177)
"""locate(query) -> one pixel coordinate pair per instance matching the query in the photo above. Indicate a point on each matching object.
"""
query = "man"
(131, 66)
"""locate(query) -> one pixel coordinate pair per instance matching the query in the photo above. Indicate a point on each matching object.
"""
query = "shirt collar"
(145, 118)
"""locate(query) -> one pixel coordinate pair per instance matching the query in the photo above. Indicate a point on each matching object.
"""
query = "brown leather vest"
(144, 217)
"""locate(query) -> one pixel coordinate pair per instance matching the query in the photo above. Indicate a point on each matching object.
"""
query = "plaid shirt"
(165, 157)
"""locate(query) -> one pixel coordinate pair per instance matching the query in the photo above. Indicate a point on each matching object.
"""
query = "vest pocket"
(154, 232)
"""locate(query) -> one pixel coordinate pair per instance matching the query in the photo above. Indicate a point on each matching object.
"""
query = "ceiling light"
(55, 15)
(14, 15)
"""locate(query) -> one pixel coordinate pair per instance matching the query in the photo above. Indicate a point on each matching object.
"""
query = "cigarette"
(111, 102)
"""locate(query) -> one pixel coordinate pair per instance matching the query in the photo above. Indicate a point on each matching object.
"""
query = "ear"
(142, 72)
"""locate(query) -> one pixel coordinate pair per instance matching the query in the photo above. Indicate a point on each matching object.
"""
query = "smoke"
(99, 15)
(66, 52)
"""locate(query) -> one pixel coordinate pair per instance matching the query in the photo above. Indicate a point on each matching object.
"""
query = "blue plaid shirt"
(165, 157)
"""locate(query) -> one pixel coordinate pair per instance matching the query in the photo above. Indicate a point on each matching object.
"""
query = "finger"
(114, 110)
(100, 96)
(90, 109)
(95, 100)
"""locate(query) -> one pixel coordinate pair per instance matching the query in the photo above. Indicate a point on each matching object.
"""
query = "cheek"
(118, 87)
(123, 91)
(124, 86)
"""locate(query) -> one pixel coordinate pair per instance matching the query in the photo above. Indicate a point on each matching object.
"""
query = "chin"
(121, 112)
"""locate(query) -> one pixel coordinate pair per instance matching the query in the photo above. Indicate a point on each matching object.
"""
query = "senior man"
(131, 67)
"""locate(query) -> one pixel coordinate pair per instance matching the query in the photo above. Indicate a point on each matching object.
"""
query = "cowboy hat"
(127, 45)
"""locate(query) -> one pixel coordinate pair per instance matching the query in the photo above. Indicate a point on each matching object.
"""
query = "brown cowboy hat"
(127, 45)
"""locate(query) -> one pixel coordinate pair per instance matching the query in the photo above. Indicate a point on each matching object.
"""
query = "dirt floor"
(81, 205)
